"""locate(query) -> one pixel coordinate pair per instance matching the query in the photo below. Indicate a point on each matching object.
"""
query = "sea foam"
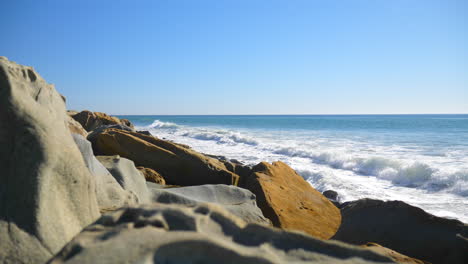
(354, 168)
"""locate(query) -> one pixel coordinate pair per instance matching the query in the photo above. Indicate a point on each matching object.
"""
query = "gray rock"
(47, 194)
(127, 175)
(173, 234)
(238, 201)
(331, 195)
(110, 195)
(406, 229)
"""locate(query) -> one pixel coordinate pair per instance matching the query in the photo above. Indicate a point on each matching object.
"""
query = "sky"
(245, 56)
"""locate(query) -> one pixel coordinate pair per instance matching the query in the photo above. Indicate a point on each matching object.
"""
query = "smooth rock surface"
(151, 175)
(127, 175)
(397, 257)
(173, 234)
(290, 202)
(406, 229)
(177, 164)
(47, 194)
(238, 201)
(92, 120)
(110, 195)
(75, 127)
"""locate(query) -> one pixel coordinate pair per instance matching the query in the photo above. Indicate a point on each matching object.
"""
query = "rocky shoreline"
(86, 187)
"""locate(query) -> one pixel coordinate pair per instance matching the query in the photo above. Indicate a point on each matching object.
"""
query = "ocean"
(418, 159)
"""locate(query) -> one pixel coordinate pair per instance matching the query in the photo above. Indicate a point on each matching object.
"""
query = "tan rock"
(75, 127)
(151, 175)
(290, 202)
(178, 165)
(406, 229)
(204, 233)
(92, 120)
(47, 194)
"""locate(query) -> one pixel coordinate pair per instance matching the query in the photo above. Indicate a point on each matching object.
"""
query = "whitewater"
(419, 159)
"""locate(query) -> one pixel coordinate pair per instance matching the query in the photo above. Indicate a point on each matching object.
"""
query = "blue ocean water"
(420, 159)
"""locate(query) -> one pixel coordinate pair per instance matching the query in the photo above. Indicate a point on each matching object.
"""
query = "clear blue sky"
(246, 56)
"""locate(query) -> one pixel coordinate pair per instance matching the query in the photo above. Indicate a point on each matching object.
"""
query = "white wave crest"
(160, 124)
(404, 173)
(221, 136)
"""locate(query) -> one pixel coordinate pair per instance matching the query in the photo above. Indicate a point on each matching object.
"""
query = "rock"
(127, 122)
(46, 192)
(110, 195)
(127, 175)
(406, 229)
(395, 256)
(145, 132)
(331, 195)
(75, 127)
(92, 120)
(290, 202)
(238, 201)
(173, 234)
(152, 176)
(178, 165)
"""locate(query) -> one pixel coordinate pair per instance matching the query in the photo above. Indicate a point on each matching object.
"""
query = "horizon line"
(284, 114)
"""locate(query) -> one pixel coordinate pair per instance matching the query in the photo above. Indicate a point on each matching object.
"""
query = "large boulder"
(127, 175)
(47, 194)
(397, 257)
(406, 229)
(75, 127)
(151, 175)
(290, 202)
(177, 164)
(110, 195)
(92, 120)
(238, 201)
(174, 234)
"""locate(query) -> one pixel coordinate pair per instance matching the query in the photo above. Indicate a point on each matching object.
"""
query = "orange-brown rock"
(151, 175)
(178, 165)
(290, 202)
(75, 127)
(92, 120)
(395, 256)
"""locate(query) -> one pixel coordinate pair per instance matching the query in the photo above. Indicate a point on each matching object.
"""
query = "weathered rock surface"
(75, 127)
(46, 192)
(203, 234)
(238, 201)
(92, 120)
(406, 229)
(397, 257)
(177, 164)
(151, 175)
(290, 202)
(110, 195)
(127, 175)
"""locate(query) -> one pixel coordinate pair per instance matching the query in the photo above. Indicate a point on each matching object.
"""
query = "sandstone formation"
(177, 164)
(110, 195)
(203, 234)
(406, 229)
(75, 127)
(151, 175)
(47, 194)
(92, 120)
(127, 175)
(290, 202)
(238, 201)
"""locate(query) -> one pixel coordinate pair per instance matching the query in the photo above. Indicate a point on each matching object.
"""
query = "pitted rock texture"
(202, 234)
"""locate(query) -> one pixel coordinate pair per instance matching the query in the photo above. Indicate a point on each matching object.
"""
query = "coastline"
(104, 191)
(360, 157)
